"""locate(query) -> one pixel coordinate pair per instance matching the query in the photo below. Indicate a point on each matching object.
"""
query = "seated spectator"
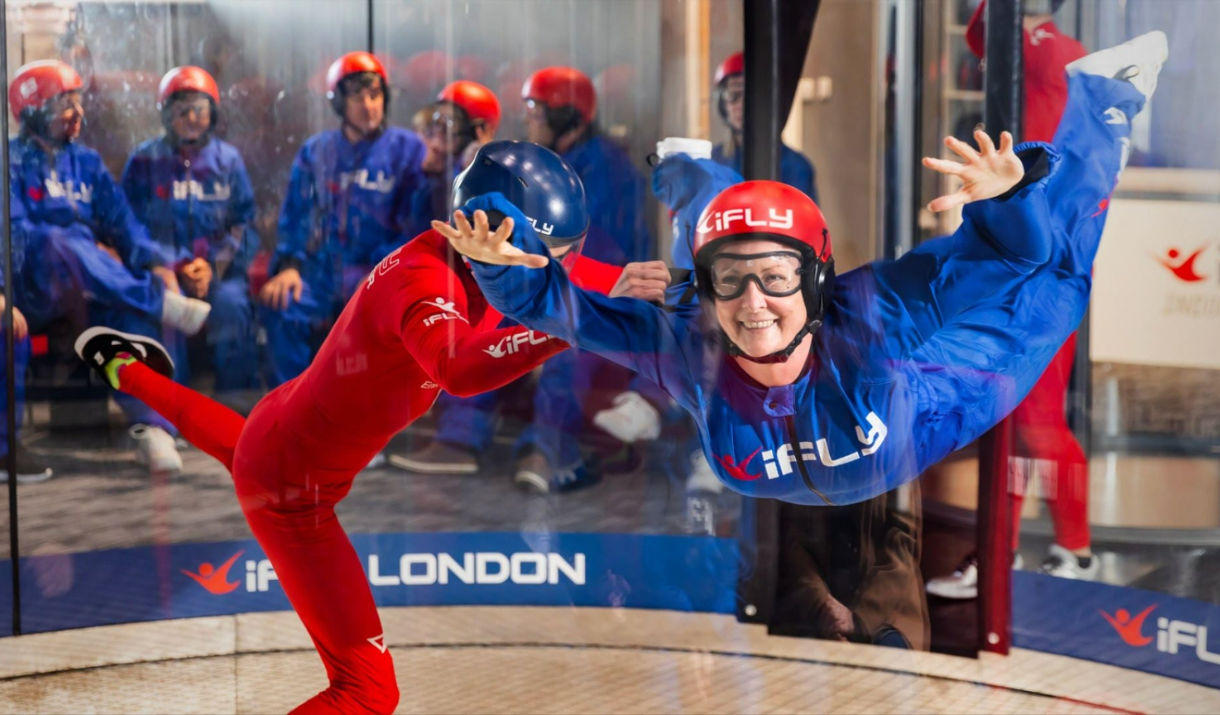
(192, 192)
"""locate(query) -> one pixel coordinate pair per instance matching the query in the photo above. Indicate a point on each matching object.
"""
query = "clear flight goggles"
(777, 274)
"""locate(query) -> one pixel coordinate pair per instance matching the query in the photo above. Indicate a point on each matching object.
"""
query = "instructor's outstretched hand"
(987, 173)
(479, 243)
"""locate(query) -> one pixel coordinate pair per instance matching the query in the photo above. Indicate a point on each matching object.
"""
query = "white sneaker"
(963, 583)
(701, 477)
(631, 419)
(1138, 61)
(1063, 563)
(155, 448)
(186, 314)
(376, 462)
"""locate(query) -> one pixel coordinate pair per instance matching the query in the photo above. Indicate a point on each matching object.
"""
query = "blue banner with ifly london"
(96, 588)
(1127, 627)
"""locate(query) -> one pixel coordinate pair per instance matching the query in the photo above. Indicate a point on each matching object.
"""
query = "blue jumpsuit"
(794, 169)
(200, 205)
(62, 206)
(618, 234)
(917, 357)
(348, 205)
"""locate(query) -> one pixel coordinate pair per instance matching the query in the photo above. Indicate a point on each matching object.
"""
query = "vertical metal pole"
(1002, 84)
(370, 27)
(763, 120)
(10, 378)
(898, 46)
(762, 126)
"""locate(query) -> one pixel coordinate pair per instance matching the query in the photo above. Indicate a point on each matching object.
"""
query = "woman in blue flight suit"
(817, 391)
(192, 192)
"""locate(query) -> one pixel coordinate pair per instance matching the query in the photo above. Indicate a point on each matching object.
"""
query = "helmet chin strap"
(777, 357)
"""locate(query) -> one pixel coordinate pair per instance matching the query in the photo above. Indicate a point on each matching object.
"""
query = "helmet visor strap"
(777, 274)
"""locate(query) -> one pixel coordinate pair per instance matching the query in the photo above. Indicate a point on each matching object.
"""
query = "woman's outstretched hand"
(986, 173)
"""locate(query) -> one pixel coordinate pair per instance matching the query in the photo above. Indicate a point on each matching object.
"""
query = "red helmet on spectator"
(354, 63)
(187, 78)
(560, 87)
(733, 64)
(39, 82)
(479, 102)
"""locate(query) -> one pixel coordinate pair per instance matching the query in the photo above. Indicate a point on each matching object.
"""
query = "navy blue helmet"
(535, 180)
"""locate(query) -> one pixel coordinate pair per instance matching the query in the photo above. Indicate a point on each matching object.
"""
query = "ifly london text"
(474, 568)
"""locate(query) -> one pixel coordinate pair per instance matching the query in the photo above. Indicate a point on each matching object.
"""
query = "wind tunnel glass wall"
(134, 522)
(577, 483)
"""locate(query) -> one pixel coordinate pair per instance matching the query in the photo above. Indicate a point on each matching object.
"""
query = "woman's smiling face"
(758, 323)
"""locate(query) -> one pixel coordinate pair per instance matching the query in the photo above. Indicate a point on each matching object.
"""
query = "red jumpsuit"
(418, 325)
(1039, 423)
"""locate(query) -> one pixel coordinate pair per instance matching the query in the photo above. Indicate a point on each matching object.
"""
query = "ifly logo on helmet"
(1171, 635)
(546, 229)
(725, 220)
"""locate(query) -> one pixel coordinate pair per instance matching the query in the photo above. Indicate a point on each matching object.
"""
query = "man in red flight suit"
(416, 326)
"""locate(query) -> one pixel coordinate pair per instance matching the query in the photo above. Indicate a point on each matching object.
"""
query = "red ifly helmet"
(39, 82)
(763, 209)
(733, 64)
(559, 87)
(479, 102)
(187, 78)
(772, 211)
(348, 65)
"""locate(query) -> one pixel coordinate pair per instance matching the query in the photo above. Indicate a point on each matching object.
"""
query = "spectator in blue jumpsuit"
(347, 206)
(192, 192)
(819, 391)
(79, 254)
(561, 106)
(794, 169)
(465, 116)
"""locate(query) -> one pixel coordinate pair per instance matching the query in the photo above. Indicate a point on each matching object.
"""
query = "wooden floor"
(536, 679)
(555, 660)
